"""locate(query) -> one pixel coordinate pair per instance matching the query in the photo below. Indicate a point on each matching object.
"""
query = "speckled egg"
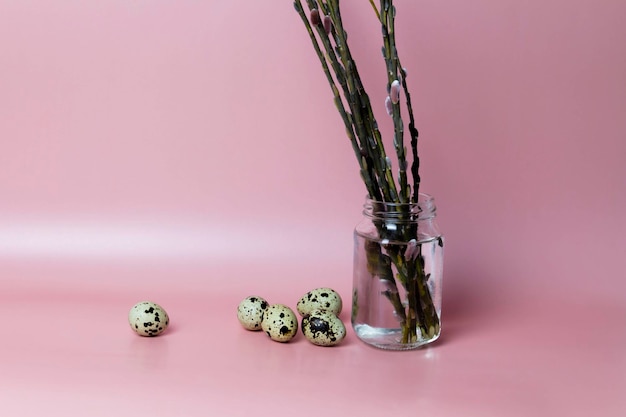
(280, 323)
(323, 328)
(148, 319)
(325, 299)
(250, 312)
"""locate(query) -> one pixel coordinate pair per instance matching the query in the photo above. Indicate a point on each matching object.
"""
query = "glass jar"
(398, 265)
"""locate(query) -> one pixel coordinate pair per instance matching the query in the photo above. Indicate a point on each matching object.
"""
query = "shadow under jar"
(398, 269)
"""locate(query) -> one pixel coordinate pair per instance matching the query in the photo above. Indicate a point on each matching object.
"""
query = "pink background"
(189, 153)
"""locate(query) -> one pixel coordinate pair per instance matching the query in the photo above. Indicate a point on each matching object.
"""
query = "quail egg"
(325, 299)
(148, 319)
(250, 312)
(280, 323)
(323, 328)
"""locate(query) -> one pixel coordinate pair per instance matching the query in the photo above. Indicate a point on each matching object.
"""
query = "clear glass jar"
(398, 269)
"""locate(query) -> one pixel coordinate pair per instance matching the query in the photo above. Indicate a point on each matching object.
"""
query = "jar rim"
(423, 209)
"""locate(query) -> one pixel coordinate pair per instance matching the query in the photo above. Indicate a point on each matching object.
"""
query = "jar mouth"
(423, 209)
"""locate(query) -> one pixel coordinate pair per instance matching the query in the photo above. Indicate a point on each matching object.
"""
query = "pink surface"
(189, 153)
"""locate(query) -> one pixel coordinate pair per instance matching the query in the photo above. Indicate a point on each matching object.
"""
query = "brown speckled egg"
(325, 299)
(148, 319)
(250, 312)
(280, 323)
(323, 328)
